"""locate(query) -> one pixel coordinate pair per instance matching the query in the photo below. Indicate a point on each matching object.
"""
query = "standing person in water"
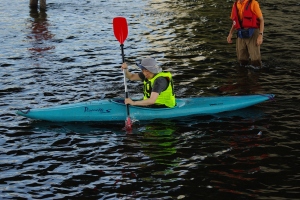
(158, 85)
(248, 20)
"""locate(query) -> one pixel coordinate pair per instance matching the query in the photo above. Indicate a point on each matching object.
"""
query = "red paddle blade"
(128, 124)
(120, 28)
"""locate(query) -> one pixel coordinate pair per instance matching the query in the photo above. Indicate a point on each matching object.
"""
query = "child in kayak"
(158, 87)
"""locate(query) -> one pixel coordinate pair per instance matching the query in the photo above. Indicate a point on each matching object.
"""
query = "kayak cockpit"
(121, 101)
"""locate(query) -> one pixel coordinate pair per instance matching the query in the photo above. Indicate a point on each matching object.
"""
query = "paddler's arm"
(129, 75)
(146, 102)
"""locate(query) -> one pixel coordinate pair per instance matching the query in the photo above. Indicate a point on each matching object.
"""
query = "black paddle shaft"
(123, 56)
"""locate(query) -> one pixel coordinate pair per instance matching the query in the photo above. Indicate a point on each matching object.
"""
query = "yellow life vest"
(166, 97)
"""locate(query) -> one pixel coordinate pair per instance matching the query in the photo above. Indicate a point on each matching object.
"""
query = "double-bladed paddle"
(121, 32)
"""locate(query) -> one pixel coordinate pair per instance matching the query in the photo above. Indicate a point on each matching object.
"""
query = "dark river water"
(69, 54)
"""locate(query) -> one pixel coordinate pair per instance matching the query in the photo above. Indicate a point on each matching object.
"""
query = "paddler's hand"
(129, 101)
(124, 66)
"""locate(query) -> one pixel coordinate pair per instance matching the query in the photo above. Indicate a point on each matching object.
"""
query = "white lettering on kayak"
(100, 110)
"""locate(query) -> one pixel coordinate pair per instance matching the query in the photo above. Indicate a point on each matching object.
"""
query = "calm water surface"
(69, 54)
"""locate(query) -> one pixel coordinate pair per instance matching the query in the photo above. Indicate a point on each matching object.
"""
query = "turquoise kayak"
(115, 110)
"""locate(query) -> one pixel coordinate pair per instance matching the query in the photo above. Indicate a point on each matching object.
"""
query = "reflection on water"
(158, 142)
(40, 33)
(243, 81)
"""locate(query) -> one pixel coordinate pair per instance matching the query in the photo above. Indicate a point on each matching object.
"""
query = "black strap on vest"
(237, 12)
